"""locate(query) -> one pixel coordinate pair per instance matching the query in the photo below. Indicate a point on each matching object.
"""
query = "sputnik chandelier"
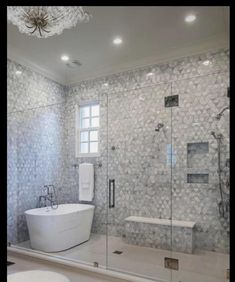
(45, 21)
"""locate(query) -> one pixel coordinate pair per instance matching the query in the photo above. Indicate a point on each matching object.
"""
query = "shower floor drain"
(117, 252)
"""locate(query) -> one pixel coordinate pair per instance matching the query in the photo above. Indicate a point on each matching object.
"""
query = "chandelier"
(45, 21)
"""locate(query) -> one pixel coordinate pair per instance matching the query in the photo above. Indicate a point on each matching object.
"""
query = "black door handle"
(111, 197)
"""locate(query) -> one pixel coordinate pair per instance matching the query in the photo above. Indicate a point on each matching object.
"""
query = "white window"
(87, 130)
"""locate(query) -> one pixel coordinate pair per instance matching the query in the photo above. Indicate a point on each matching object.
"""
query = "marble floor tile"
(148, 262)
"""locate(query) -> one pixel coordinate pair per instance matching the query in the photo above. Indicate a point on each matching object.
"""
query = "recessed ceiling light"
(64, 58)
(190, 18)
(206, 63)
(18, 72)
(117, 40)
(149, 74)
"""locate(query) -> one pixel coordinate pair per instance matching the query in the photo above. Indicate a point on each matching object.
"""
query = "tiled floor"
(201, 266)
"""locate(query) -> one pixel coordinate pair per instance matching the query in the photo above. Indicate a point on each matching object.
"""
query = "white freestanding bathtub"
(54, 230)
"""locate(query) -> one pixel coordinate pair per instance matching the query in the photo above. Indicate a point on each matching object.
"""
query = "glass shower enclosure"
(168, 180)
(161, 180)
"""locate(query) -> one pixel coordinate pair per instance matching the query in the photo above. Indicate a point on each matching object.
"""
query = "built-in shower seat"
(176, 235)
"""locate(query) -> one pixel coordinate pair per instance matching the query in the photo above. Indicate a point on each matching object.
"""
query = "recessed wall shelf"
(197, 155)
(198, 178)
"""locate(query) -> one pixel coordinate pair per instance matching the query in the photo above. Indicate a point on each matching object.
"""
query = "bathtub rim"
(32, 212)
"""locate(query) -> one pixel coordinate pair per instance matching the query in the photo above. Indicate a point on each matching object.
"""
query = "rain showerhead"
(159, 126)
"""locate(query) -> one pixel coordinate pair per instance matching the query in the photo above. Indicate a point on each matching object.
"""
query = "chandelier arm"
(30, 26)
(43, 25)
(44, 14)
(34, 30)
(26, 13)
(46, 17)
(39, 31)
(45, 30)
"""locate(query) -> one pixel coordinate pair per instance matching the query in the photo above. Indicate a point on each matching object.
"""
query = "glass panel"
(85, 111)
(85, 123)
(94, 135)
(84, 148)
(39, 158)
(139, 192)
(95, 110)
(93, 147)
(200, 179)
(95, 122)
(84, 136)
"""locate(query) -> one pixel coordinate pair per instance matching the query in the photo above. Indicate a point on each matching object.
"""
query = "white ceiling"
(150, 35)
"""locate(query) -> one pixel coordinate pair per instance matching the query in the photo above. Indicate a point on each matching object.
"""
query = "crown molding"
(12, 55)
(174, 53)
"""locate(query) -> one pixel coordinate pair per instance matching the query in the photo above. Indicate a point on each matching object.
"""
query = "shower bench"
(176, 235)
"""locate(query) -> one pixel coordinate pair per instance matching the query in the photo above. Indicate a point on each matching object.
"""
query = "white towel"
(86, 182)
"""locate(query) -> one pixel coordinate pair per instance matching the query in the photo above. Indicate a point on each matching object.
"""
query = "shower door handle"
(111, 194)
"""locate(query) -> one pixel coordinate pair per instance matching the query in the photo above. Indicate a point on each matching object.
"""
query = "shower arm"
(219, 115)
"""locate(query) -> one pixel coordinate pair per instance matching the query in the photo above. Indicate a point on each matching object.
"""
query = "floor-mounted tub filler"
(54, 230)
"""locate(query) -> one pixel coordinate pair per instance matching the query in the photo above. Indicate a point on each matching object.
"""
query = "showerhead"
(213, 134)
(218, 117)
(159, 126)
(216, 136)
(220, 114)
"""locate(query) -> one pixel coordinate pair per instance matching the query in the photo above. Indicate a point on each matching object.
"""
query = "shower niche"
(198, 178)
(198, 162)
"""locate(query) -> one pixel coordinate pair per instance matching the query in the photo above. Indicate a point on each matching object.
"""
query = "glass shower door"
(200, 179)
(139, 182)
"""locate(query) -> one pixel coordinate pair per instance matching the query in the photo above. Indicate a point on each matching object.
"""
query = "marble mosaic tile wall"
(131, 107)
(41, 115)
(35, 143)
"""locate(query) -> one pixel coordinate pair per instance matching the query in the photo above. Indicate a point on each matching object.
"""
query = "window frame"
(88, 129)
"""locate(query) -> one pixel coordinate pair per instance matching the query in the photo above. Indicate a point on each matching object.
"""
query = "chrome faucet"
(50, 196)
